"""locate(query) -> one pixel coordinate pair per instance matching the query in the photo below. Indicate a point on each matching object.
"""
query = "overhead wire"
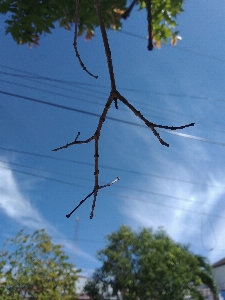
(46, 171)
(77, 83)
(122, 196)
(145, 105)
(105, 94)
(177, 47)
(54, 93)
(39, 79)
(68, 96)
(87, 179)
(152, 109)
(110, 167)
(109, 118)
(41, 176)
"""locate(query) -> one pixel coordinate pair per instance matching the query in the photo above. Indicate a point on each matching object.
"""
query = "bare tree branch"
(114, 96)
(76, 17)
(107, 48)
(149, 124)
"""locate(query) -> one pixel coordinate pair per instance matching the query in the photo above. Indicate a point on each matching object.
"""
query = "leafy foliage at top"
(146, 265)
(32, 266)
(27, 20)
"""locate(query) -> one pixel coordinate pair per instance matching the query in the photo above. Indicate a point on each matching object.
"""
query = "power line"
(43, 177)
(122, 196)
(93, 102)
(49, 103)
(71, 97)
(44, 170)
(36, 76)
(109, 118)
(54, 93)
(109, 167)
(100, 103)
(39, 78)
(170, 206)
(177, 47)
(105, 94)
(86, 179)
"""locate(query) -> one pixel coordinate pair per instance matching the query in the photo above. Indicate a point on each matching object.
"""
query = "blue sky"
(180, 188)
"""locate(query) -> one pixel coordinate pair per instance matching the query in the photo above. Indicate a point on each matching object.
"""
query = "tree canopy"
(27, 20)
(146, 265)
(32, 266)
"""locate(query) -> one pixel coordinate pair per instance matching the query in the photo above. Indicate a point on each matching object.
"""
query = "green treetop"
(27, 20)
(32, 266)
(146, 265)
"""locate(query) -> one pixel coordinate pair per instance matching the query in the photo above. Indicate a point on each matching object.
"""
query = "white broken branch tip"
(117, 179)
(89, 195)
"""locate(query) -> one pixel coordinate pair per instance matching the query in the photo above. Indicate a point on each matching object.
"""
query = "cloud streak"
(191, 215)
(14, 204)
(18, 208)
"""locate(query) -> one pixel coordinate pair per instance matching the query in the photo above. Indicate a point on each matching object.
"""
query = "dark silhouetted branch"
(149, 18)
(126, 14)
(75, 142)
(107, 48)
(114, 96)
(89, 195)
(76, 17)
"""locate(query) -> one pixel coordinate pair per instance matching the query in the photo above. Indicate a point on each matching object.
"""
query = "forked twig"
(74, 142)
(76, 17)
(114, 96)
(82, 201)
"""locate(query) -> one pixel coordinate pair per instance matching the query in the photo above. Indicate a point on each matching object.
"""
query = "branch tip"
(76, 17)
(95, 192)
(126, 14)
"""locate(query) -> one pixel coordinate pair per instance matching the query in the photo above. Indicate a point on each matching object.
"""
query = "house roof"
(219, 263)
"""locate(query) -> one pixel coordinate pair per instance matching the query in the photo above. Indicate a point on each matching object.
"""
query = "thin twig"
(75, 142)
(126, 14)
(148, 123)
(89, 195)
(149, 18)
(96, 173)
(107, 48)
(76, 17)
(108, 184)
(81, 202)
(174, 127)
(96, 155)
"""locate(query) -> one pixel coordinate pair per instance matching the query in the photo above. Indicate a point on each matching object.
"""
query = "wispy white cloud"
(190, 215)
(19, 209)
(14, 204)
